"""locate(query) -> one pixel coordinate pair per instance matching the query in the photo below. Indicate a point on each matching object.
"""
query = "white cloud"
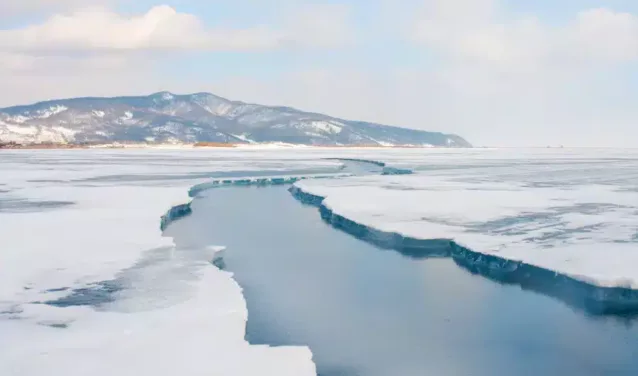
(479, 30)
(38, 78)
(18, 65)
(603, 33)
(503, 78)
(98, 41)
(161, 28)
(96, 51)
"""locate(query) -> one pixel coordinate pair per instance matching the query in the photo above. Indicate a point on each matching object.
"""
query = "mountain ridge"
(165, 117)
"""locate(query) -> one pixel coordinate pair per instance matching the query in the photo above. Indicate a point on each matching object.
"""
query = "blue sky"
(499, 72)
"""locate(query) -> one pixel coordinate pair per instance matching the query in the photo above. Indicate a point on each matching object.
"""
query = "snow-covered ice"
(88, 285)
(572, 211)
(166, 310)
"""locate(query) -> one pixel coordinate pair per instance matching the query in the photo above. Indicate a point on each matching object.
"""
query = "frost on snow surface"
(88, 285)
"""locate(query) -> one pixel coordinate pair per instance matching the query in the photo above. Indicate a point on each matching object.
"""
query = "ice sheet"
(121, 299)
(85, 224)
(571, 212)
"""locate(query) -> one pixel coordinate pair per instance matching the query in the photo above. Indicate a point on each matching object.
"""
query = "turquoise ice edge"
(595, 300)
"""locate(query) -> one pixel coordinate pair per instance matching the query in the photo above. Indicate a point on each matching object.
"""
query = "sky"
(497, 72)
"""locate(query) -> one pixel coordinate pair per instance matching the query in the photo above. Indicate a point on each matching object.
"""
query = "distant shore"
(127, 145)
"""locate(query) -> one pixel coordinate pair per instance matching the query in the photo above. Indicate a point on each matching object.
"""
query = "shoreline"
(203, 145)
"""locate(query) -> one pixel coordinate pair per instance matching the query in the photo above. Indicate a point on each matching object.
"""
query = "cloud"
(163, 28)
(500, 77)
(42, 78)
(479, 30)
(18, 65)
(603, 33)
(97, 51)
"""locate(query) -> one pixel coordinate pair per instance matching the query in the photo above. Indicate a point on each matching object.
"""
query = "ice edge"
(183, 210)
(175, 213)
(385, 169)
(257, 182)
(593, 299)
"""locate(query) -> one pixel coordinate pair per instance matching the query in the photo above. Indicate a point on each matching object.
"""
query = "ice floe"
(92, 287)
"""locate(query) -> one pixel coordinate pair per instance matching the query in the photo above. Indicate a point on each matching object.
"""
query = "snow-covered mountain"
(202, 117)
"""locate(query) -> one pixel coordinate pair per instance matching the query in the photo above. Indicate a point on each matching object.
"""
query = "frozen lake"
(89, 284)
(367, 311)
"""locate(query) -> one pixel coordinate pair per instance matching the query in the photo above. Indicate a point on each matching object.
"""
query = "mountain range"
(168, 118)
